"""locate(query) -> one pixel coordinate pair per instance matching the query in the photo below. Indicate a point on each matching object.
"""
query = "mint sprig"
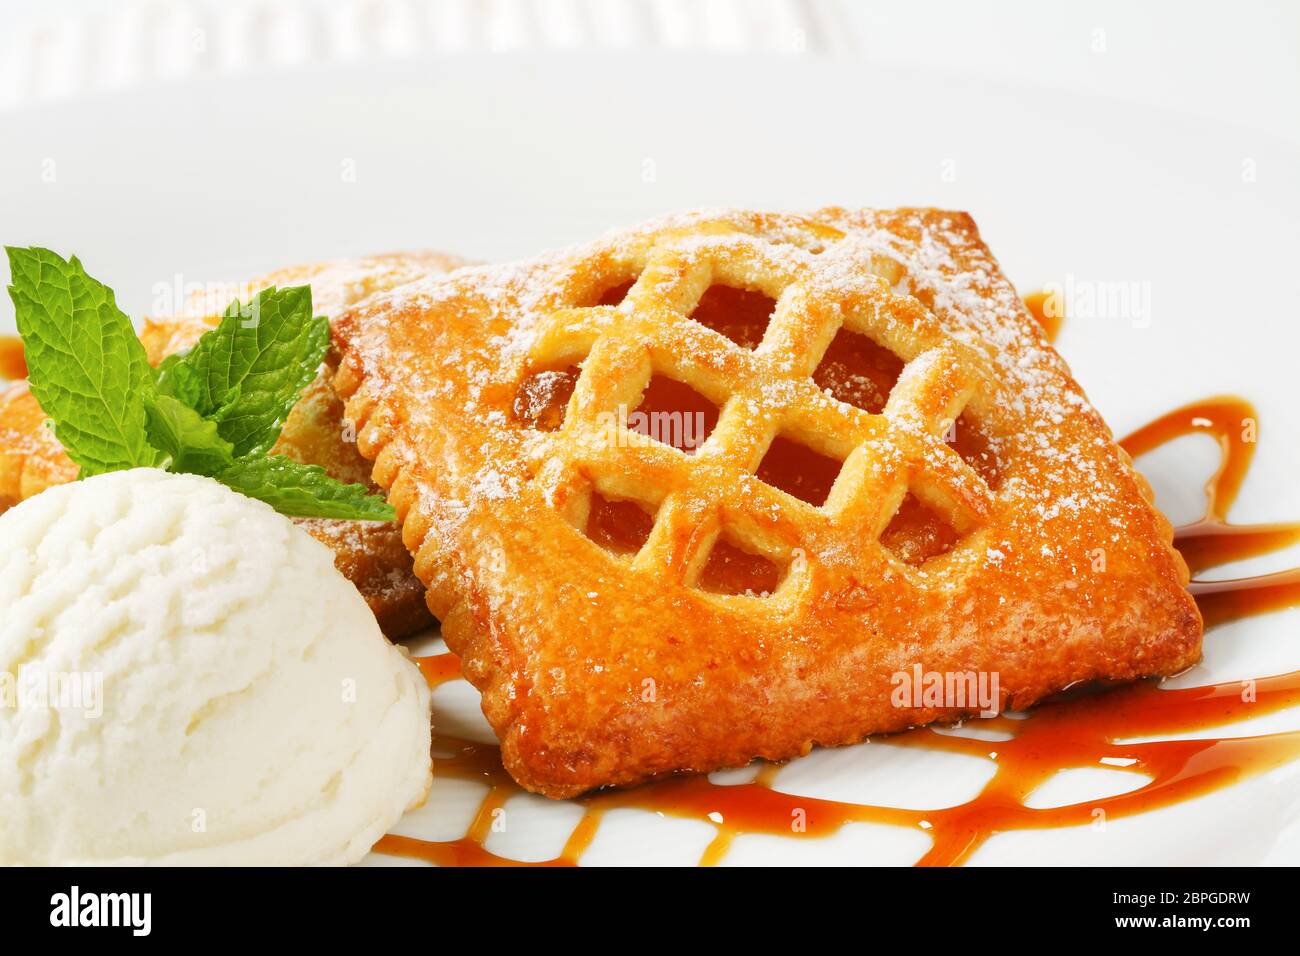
(214, 410)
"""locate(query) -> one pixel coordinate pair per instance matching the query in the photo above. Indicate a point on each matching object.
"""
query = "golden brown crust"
(600, 669)
(31, 458)
(369, 554)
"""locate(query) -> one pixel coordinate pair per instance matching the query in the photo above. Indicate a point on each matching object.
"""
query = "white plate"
(496, 156)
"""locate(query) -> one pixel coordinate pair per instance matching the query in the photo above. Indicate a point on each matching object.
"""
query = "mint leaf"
(247, 373)
(85, 365)
(214, 410)
(190, 442)
(178, 380)
(304, 491)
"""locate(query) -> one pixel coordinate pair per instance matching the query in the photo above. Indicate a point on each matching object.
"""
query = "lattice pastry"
(370, 554)
(699, 492)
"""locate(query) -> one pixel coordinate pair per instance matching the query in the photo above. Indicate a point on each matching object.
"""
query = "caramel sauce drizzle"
(438, 669)
(13, 361)
(1073, 730)
(1213, 540)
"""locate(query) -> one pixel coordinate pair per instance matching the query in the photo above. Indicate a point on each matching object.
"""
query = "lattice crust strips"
(624, 346)
(605, 670)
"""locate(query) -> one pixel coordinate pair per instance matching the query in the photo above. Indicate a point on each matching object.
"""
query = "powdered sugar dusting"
(454, 347)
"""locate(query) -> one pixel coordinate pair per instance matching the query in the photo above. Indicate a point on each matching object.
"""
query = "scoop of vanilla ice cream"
(248, 709)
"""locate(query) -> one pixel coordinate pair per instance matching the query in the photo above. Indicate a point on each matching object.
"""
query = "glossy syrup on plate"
(1071, 731)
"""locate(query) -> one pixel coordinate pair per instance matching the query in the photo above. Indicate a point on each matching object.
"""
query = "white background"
(1234, 61)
